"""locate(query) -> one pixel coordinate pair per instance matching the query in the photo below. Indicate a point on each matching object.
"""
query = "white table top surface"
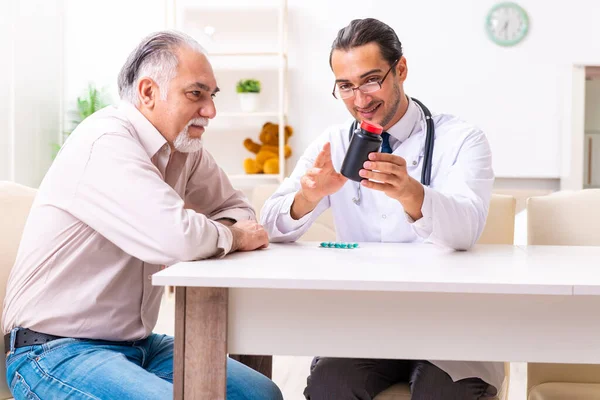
(493, 269)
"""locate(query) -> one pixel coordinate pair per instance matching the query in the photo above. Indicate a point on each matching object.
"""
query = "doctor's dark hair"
(363, 31)
(155, 57)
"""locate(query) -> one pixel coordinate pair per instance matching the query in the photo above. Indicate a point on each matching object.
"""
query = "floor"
(289, 373)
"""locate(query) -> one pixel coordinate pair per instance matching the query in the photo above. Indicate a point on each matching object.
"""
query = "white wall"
(99, 35)
(517, 95)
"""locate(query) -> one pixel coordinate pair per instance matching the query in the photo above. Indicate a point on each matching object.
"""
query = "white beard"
(186, 144)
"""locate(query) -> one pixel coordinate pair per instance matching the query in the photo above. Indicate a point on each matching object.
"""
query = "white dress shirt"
(454, 209)
(115, 207)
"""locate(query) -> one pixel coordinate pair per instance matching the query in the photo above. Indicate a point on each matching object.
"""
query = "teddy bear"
(267, 151)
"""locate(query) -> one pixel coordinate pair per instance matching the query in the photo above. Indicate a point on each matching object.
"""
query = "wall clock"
(507, 24)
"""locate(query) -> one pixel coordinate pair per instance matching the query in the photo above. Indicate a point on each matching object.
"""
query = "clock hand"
(504, 30)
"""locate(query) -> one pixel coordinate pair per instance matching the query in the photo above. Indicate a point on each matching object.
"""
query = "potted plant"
(93, 100)
(248, 91)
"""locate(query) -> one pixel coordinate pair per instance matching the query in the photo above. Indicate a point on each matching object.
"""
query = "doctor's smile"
(368, 112)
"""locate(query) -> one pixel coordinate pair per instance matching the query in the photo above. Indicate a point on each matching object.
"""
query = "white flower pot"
(248, 101)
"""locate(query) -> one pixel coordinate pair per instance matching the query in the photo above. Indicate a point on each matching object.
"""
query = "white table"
(493, 303)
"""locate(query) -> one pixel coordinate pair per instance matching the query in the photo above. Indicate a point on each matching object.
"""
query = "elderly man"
(131, 191)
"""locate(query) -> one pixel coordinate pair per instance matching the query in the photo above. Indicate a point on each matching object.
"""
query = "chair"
(499, 229)
(15, 202)
(568, 218)
(500, 224)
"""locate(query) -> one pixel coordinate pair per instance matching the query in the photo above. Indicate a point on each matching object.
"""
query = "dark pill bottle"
(365, 140)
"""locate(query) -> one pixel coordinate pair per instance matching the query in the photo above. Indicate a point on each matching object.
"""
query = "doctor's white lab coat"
(454, 210)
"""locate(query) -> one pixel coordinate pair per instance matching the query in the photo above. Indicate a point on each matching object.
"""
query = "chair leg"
(262, 364)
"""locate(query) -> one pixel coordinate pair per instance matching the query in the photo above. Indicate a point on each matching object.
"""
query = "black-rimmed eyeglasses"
(345, 91)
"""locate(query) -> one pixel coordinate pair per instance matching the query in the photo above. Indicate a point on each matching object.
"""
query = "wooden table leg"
(200, 353)
(262, 364)
(179, 346)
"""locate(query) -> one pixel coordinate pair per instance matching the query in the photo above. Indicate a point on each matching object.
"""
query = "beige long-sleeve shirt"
(115, 207)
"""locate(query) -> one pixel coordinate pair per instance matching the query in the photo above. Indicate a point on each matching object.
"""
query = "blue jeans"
(87, 369)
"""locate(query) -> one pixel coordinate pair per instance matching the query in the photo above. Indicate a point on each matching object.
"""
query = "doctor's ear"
(402, 69)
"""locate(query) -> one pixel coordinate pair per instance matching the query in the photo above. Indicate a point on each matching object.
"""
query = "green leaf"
(92, 101)
(248, 86)
(55, 150)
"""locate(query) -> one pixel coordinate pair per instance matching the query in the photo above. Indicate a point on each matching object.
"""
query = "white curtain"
(31, 86)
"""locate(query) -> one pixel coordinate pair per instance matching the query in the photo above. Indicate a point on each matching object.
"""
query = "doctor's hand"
(391, 177)
(319, 181)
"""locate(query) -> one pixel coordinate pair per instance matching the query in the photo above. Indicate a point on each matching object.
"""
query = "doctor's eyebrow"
(362, 76)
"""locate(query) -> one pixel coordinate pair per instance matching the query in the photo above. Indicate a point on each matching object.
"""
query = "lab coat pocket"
(414, 165)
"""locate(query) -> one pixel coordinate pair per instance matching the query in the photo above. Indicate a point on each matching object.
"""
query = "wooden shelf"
(242, 42)
(230, 7)
(267, 114)
(244, 62)
(246, 54)
(251, 180)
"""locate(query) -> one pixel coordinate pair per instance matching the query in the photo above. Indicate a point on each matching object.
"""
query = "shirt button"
(384, 216)
(414, 162)
(149, 277)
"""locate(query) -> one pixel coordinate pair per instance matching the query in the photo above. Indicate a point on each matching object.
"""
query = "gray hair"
(156, 58)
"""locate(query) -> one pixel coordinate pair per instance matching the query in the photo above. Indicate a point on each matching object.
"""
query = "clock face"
(507, 24)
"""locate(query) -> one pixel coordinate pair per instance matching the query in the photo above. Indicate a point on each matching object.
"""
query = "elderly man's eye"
(196, 93)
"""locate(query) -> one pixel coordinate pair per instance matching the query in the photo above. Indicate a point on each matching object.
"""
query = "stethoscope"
(428, 151)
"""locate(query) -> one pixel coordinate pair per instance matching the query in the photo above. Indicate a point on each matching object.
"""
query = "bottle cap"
(371, 127)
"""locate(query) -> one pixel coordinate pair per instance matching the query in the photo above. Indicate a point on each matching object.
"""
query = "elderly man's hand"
(248, 235)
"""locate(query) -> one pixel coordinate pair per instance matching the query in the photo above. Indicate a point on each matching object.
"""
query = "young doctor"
(433, 190)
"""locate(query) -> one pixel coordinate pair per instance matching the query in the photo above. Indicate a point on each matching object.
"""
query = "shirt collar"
(150, 138)
(404, 128)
